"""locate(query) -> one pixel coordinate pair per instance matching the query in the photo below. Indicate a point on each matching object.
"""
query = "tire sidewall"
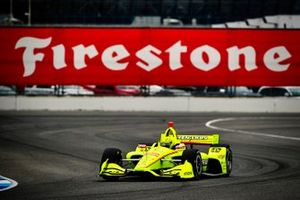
(193, 156)
(228, 161)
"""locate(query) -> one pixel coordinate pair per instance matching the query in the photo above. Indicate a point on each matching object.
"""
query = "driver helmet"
(169, 137)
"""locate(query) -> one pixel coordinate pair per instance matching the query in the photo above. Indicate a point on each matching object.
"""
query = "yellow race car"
(173, 155)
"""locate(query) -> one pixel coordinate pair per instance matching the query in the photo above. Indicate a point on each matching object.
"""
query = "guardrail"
(158, 104)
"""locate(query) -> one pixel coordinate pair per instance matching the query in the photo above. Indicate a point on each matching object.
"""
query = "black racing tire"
(228, 161)
(228, 157)
(113, 155)
(194, 157)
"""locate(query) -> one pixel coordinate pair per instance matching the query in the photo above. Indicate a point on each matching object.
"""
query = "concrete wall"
(170, 104)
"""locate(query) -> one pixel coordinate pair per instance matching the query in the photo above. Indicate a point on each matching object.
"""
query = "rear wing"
(199, 139)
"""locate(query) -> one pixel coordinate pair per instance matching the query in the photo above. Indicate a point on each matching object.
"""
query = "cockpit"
(169, 137)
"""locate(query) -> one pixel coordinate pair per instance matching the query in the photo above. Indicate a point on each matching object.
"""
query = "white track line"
(13, 183)
(209, 125)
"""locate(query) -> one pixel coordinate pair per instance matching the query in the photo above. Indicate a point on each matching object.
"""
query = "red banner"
(142, 56)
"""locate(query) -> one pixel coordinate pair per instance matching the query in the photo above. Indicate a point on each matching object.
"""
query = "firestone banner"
(143, 56)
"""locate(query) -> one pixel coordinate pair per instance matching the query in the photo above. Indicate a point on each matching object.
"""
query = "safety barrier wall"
(169, 104)
(149, 56)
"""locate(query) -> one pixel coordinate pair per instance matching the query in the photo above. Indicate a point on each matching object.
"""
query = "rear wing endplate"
(199, 139)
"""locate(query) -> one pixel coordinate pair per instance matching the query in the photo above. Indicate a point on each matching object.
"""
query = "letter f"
(29, 58)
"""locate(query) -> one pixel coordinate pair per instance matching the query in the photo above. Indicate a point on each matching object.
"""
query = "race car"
(173, 155)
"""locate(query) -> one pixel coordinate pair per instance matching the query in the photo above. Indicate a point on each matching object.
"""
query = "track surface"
(54, 155)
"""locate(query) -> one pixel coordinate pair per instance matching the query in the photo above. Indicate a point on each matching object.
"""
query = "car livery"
(173, 155)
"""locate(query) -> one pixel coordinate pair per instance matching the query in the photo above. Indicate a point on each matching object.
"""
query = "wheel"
(194, 157)
(228, 161)
(228, 157)
(113, 155)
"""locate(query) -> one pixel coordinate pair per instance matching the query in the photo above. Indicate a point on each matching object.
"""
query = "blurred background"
(254, 14)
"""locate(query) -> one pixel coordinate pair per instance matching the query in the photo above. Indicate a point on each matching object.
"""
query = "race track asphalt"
(55, 155)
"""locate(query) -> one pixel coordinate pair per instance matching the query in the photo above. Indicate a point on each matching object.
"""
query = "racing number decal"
(215, 149)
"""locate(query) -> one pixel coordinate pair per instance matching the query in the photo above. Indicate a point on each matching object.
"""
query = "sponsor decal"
(149, 56)
(152, 153)
(215, 149)
(188, 173)
(192, 137)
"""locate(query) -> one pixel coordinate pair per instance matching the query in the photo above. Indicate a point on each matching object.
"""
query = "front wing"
(183, 171)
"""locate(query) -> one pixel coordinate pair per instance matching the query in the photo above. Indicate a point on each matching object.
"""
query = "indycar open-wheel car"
(173, 155)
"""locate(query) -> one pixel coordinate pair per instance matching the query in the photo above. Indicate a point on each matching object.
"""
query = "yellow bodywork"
(166, 161)
(111, 169)
(219, 153)
(184, 171)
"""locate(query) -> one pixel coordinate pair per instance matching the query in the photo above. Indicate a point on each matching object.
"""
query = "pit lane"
(55, 155)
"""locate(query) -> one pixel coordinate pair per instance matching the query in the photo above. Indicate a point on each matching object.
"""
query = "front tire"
(113, 155)
(193, 156)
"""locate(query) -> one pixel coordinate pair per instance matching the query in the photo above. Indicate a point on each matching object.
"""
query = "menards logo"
(118, 57)
(192, 137)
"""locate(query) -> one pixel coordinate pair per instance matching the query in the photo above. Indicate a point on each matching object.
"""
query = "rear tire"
(113, 155)
(194, 157)
(228, 162)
